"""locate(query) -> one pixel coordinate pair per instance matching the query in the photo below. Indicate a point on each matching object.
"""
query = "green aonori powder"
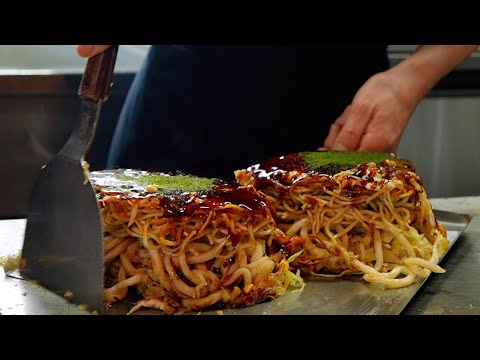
(170, 183)
(340, 160)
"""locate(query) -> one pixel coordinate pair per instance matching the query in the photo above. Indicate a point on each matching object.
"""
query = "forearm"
(426, 66)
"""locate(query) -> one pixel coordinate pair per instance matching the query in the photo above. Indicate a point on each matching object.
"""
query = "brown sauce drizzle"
(291, 170)
(188, 203)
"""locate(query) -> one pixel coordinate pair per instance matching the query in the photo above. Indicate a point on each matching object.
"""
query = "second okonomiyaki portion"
(352, 212)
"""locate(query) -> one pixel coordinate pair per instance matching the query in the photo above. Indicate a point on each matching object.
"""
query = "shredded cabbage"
(10, 262)
(293, 279)
(294, 256)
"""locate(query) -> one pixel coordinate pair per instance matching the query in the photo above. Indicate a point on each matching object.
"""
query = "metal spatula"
(63, 245)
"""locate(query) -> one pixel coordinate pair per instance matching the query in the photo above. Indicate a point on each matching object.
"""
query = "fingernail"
(339, 147)
(87, 50)
(323, 148)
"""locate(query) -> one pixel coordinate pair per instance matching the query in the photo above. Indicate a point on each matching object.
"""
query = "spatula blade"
(63, 244)
(63, 247)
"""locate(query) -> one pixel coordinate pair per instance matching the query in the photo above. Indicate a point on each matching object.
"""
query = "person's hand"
(90, 50)
(382, 107)
(376, 118)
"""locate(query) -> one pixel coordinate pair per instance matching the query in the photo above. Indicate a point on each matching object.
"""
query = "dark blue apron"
(209, 110)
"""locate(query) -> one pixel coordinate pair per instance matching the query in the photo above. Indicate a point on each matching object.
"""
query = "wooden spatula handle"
(97, 78)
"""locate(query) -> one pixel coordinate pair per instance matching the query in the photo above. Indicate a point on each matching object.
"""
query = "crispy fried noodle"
(186, 243)
(350, 213)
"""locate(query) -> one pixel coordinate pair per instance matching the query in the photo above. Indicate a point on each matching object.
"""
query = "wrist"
(409, 88)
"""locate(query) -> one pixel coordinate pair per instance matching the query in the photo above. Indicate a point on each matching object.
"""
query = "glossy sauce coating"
(292, 169)
(112, 183)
